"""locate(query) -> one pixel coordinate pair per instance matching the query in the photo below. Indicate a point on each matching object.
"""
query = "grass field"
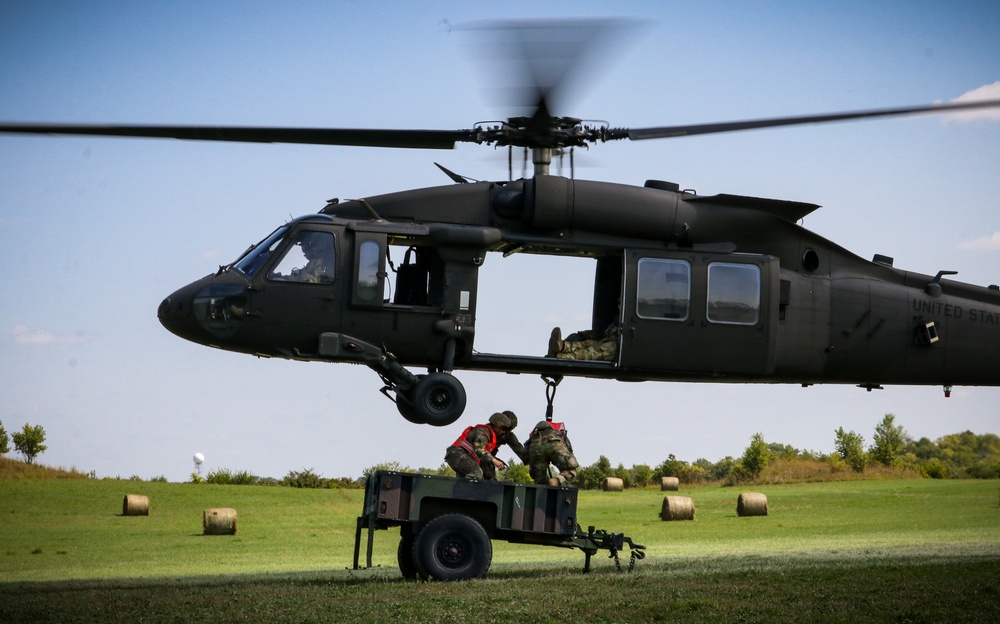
(895, 551)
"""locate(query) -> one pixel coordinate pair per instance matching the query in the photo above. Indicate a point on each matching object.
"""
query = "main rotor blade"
(418, 139)
(666, 132)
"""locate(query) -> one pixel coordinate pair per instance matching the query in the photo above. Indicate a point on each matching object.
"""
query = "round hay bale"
(669, 484)
(751, 504)
(613, 484)
(220, 521)
(677, 508)
(135, 505)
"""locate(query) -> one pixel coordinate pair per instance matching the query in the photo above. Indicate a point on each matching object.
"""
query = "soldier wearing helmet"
(511, 440)
(546, 445)
(505, 436)
(471, 455)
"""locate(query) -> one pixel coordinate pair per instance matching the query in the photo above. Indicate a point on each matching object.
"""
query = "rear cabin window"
(733, 293)
(664, 289)
(368, 265)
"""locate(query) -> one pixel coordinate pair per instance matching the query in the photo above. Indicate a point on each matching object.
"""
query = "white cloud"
(986, 92)
(24, 335)
(984, 243)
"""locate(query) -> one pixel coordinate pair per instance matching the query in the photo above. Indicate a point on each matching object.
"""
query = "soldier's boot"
(555, 343)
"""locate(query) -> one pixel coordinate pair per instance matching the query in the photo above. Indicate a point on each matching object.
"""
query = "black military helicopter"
(720, 288)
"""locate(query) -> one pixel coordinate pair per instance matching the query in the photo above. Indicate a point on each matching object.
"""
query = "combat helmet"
(499, 420)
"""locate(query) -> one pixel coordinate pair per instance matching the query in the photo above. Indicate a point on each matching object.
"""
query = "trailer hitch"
(592, 541)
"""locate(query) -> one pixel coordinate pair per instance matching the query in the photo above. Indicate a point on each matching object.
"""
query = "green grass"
(902, 551)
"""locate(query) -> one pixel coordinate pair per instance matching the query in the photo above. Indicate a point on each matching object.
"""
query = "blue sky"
(97, 231)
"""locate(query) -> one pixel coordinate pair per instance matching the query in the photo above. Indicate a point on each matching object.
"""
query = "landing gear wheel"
(406, 409)
(404, 557)
(453, 547)
(439, 399)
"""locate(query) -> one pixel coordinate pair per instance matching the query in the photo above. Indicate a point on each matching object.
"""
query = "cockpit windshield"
(257, 255)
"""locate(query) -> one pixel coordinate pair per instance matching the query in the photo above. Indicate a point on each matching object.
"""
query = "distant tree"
(603, 464)
(4, 440)
(641, 475)
(722, 468)
(28, 442)
(756, 456)
(851, 448)
(889, 441)
(671, 467)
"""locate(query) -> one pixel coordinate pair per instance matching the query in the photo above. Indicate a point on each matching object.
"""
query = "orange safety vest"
(464, 443)
(558, 427)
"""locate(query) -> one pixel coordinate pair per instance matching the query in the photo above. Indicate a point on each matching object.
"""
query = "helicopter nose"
(209, 311)
(176, 314)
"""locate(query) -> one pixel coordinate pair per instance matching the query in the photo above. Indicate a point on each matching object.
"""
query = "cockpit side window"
(310, 259)
(257, 256)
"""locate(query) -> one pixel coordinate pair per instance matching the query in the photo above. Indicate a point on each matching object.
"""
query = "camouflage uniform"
(585, 345)
(505, 436)
(548, 446)
(471, 456)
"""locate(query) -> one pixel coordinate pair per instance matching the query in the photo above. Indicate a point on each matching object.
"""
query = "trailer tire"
(404, 557)
(453, 547)
(438, 399)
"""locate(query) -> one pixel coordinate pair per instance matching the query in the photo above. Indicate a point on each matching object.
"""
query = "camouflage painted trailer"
(446, 525)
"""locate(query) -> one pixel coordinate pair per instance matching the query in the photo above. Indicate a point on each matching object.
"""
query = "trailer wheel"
(453, 547)
(439, 399)
(404, 557)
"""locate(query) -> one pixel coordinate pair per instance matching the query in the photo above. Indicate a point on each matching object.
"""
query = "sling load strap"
(550, 393)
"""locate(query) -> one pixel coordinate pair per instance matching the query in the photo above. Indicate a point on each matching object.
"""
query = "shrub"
(515, 473)
(691, 475)
(224, 476)
(589, 478)
(394, 466)
(304, 479)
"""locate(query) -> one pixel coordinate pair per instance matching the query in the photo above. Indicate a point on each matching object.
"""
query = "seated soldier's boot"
(555, 343)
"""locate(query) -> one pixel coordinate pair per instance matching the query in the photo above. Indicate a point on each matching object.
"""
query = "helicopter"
(686, 287)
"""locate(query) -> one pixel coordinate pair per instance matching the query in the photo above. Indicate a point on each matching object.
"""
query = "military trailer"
(446, 525)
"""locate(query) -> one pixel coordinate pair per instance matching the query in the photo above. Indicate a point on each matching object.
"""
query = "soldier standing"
(546, 445)
(471, 455)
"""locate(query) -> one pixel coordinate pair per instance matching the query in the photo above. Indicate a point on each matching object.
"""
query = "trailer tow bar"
(592, 541)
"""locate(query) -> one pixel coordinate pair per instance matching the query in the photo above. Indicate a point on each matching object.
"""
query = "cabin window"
(733, 293)
(308, 260)
(368, 265)
(664, 289)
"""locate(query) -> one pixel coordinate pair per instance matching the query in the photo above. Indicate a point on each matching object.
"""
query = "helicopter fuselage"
(717, 288)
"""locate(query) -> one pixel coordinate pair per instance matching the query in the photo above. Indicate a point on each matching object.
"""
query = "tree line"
(954, 456)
